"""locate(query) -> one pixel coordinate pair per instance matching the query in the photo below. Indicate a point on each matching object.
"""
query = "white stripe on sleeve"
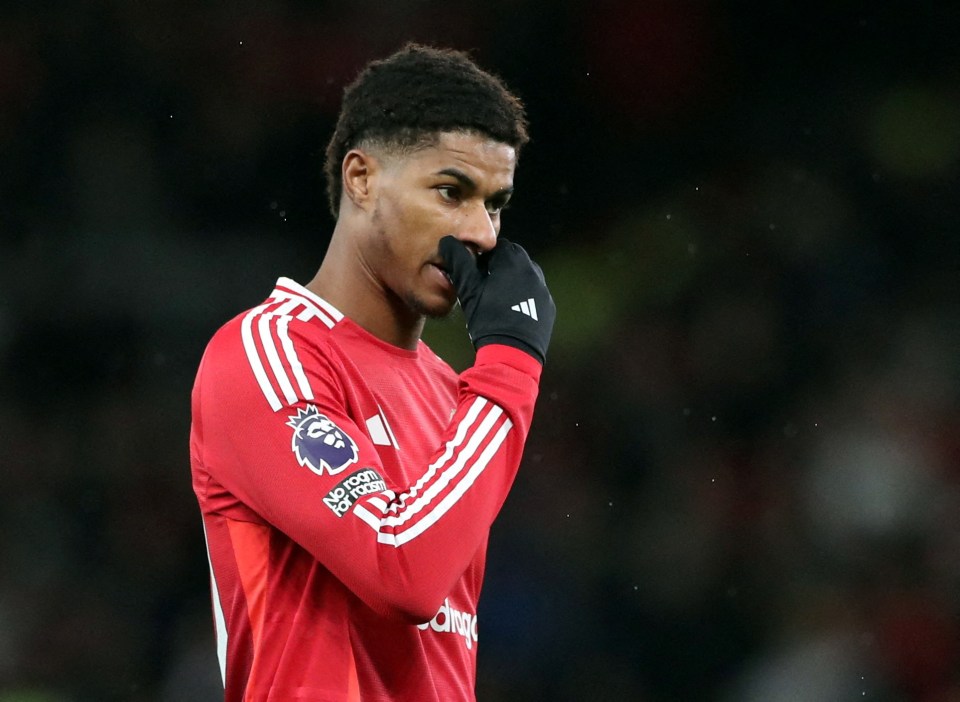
(459, 469)
(253, 357)
(449, 473)
(455, 494)
(460, 435)
(268, 339)
(270, 349)
(291, 353)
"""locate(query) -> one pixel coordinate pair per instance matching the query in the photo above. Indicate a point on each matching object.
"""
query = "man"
(346, 475)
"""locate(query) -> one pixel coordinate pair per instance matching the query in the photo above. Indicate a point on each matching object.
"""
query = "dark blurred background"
(743, 481)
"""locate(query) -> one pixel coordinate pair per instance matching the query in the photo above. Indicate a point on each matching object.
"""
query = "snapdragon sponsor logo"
(452, 621)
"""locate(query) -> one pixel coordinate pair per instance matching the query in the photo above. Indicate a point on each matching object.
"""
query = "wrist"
(510, 340)
(511, 356)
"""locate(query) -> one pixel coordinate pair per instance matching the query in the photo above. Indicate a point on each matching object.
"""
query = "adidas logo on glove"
(527, 307)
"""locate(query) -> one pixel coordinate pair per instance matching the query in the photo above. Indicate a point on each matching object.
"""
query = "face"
(460, 187)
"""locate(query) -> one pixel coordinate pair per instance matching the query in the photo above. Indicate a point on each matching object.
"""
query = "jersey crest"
(319, 444)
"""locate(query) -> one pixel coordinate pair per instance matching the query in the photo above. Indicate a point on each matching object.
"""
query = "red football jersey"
(347, 489)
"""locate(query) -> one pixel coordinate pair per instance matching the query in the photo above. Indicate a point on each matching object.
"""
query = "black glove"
(503, 295)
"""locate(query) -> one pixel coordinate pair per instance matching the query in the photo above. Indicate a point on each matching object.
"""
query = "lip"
(442, 275)
(438, 264)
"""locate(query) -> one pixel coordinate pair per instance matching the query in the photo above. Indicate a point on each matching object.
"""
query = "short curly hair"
(404, 101)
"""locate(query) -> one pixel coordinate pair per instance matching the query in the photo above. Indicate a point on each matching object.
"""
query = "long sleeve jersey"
(347, 488)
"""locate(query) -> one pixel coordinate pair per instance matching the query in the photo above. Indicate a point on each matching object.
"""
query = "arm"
(400, 550)
(308, 470)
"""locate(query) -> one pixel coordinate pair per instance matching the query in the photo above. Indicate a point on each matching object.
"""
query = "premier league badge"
(319, 444)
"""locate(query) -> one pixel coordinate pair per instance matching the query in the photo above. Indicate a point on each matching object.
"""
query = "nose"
(478, 230)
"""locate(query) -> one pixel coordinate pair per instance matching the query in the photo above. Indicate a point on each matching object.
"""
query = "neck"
(348, 284)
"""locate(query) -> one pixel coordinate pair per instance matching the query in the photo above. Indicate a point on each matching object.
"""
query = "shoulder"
(280, 350)
(277, 329)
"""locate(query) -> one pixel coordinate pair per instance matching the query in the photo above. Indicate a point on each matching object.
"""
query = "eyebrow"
(468, 182)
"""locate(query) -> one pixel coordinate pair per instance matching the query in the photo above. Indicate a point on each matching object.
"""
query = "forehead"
(483, 159)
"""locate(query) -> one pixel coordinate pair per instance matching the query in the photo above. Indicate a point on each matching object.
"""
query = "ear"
(359, 174)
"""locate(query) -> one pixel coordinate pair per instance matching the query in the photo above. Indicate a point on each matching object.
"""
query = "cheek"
(394, 223)
(425, 223)
(415, 223)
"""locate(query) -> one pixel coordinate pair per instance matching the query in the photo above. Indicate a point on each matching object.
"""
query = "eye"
(449, 193)
(498, 205)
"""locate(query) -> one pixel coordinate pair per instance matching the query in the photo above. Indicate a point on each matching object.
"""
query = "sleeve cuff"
(510, 356)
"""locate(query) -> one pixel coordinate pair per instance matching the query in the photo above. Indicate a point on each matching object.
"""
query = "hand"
(503, 295)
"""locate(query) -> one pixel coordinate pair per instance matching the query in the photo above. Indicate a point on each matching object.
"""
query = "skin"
(382, 268)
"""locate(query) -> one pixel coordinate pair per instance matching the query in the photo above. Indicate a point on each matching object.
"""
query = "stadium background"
(743, 481)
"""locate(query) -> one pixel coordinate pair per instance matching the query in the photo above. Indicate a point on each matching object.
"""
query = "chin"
(435, 308)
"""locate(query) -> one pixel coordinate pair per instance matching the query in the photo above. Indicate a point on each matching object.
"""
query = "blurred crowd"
(743, 480)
